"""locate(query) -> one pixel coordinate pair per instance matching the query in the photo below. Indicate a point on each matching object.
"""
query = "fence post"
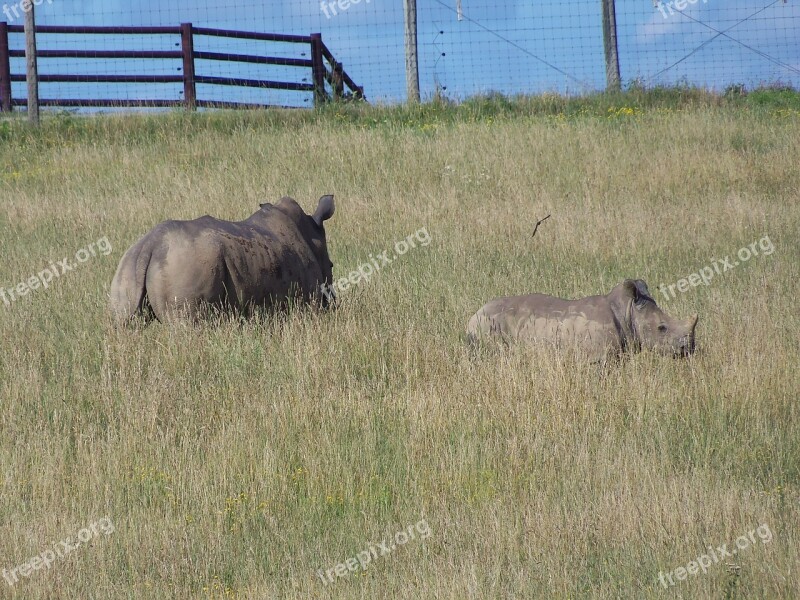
(337, 76)
(5, 70)
(610, 43)
(317, 69)
(187, 47)
(412, 64)
(32, 68)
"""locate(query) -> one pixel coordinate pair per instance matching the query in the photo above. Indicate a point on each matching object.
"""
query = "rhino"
(180, 269)
(625, 320)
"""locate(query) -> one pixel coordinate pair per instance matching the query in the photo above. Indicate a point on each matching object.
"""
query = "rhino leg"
(191, 281)
(191, 310)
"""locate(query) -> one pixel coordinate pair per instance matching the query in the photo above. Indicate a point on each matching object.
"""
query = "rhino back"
(587, 323)
(240, 263)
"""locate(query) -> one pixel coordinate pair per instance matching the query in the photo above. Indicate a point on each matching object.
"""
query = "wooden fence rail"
(325, 69)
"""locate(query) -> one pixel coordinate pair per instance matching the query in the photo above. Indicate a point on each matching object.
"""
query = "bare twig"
(539, 222)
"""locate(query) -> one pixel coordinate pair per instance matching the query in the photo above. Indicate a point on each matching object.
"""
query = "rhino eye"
(662, 328)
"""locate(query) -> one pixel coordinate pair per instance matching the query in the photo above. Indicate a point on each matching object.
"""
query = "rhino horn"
(325, 209)
(688, 342)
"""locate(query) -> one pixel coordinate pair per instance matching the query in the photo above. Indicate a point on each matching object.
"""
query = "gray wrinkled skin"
(627, 319)
(180, 269)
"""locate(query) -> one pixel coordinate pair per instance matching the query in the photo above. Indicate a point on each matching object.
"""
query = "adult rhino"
(182, 268)
(626, 319)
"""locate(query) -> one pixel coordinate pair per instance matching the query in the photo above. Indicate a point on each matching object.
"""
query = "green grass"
(237, 459)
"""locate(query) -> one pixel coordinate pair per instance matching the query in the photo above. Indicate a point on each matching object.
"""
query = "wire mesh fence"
(465, 47)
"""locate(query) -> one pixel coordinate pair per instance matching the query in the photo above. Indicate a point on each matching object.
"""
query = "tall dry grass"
(237, 459)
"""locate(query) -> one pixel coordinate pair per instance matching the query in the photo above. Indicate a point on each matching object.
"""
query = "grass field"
(237, 460)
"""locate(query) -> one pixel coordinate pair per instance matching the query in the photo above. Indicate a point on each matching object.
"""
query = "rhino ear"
(324, 210)
(641, 287)
(638, 291)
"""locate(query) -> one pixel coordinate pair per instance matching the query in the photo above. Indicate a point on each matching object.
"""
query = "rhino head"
(645, 325)
(319, 246)
(312, 229)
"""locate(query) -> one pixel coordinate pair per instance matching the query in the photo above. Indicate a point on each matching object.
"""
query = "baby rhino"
(627, 319)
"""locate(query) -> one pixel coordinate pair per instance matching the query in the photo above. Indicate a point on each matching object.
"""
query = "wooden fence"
(329, 81)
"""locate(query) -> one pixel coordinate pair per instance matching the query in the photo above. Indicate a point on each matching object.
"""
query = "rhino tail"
(128, 289)
(478, 329)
